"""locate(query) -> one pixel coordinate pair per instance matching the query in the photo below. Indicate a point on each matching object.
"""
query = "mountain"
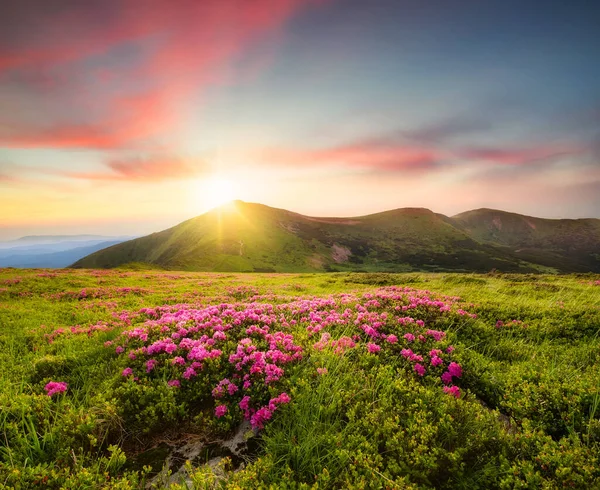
(52, 254)
(253, 237)
(565, 244)
(57, 240)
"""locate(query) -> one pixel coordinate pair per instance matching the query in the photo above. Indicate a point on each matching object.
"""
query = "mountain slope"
(253, 237)
(566, 244)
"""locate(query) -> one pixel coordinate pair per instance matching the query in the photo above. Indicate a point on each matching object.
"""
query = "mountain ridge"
(242, 236)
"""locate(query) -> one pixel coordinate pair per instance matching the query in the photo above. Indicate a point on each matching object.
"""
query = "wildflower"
(175, 383)
(260, 417)
(409, 336)
(450, 349)
(392, 339)
(446, 378)
(281, 399)
(419, 369)
(54, 387)
(436, 361)
(373, 348)
(284, 398)
(220, 411)
(436, 334)
(189, 373)
(455, 370)
(150, 364)
(119, 349)
(452, 390)
(322, 371)
(127, 372)
(245, 403)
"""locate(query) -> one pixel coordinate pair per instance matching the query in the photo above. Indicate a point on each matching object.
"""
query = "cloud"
(520, 156)
(113, 73)
(368, 155)
(388, 153)
(155, 169)
(6, 178)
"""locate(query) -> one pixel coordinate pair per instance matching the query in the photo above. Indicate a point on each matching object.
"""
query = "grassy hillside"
(133, 379)
(253, 237)
(563, 243)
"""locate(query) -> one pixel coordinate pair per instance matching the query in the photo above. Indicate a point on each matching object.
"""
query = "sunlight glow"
(215, 191)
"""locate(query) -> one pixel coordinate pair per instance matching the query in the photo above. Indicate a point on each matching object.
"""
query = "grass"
(528, 415)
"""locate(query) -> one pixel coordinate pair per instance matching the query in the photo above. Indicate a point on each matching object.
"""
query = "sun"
(216, 191)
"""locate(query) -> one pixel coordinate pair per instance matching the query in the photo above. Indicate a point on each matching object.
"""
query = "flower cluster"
(55, 387)
(243, 349)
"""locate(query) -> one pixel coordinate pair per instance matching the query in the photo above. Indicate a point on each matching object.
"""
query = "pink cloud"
(367, 155)
(122, 71)
(519, 156)
(156, 169)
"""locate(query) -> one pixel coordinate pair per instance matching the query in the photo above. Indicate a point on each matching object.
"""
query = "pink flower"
(373, 348)
(322, 371)
(450, 349)
(150, 364)
(409, 336)
(175, 383)
(260, 417)
(54, 387)
(127, 372)
(178, 361)
(392, 339)
(284, 398)
(446, 378)
(220, 411)
(452, 390)
(189, 373)
(245, 403)
(119, 349)
(436, 361)
(436, 334)
(281, 399)
(455, 370)
(419, 369)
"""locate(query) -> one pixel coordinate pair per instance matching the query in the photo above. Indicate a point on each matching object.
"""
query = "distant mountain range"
(52, 251)
(241, 236)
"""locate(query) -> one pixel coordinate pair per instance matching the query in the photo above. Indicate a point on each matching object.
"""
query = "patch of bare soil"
(340, 254)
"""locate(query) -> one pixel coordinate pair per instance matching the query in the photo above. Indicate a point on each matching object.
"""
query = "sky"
(129, 116)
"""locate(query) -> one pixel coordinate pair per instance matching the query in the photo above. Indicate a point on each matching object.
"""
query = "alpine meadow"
(299, 245)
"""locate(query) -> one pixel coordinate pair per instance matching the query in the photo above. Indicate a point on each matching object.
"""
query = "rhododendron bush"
(238, 353)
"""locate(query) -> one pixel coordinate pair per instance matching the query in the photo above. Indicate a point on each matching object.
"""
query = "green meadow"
(145, 378)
